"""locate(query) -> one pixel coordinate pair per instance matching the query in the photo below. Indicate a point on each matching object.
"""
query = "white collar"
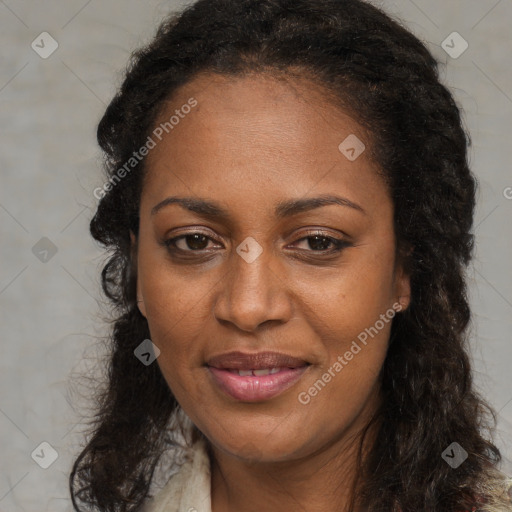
(188, 490)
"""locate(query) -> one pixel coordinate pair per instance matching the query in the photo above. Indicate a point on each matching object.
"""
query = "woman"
(289, 207)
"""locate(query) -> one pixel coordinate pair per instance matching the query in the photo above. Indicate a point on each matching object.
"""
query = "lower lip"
(256, 388)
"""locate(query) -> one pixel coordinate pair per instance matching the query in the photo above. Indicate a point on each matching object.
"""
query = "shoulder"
(187, 490)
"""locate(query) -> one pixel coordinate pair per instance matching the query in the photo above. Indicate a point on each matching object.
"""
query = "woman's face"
(250, 281)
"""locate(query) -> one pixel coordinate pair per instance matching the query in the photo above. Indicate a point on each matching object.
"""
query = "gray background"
(51, 317)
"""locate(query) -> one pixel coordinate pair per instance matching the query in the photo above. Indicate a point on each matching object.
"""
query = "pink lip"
(256, 388)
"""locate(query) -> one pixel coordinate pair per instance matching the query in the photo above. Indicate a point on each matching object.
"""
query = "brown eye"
(319, 243)
(191, 242)
(322, 243)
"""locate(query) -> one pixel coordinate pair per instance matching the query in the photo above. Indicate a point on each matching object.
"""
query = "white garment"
(188, 490)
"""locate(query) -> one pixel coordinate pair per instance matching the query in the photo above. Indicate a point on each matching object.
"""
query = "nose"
(252, 294)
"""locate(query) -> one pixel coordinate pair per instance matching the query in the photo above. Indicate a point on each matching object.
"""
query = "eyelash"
(339, 244)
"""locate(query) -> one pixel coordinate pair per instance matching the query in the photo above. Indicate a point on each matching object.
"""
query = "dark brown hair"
(387, 80)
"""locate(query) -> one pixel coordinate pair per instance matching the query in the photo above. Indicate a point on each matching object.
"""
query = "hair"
(388, 81)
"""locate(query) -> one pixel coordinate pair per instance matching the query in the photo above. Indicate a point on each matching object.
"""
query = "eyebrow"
(283, 209)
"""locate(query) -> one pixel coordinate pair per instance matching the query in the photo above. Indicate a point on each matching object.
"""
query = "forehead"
(292, 113)
(258, 136)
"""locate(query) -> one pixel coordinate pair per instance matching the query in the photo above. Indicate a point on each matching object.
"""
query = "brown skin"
(248, 144)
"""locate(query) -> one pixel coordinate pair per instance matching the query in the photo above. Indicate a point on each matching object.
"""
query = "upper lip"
(257, 361)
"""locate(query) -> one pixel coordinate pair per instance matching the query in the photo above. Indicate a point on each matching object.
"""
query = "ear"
(403, 288)
(134, 252)
(402, 277)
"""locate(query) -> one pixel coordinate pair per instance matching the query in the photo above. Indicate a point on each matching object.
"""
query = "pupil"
(197, 241)
(313, 242)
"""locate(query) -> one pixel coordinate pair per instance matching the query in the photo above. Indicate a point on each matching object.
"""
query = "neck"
(323, 481)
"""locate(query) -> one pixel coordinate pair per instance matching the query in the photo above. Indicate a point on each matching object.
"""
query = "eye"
(197, 242)
(189, 242)
(323, 243)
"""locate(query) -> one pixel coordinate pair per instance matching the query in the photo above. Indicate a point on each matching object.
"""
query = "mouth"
(255, 373)
(255, 377)
(258, 361)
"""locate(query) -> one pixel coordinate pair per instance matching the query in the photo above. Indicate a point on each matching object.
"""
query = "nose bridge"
(252, 292)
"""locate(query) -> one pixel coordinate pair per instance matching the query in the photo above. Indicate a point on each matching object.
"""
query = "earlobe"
(403, 290)
(404, 302)
(403, 277)
(402, 287)
(140, 298)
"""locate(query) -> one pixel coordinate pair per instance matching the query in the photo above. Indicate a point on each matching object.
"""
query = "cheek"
(351, 312)
(177, 311)
(343, 302)
(354, 346)
(354, 334)
(173, 294)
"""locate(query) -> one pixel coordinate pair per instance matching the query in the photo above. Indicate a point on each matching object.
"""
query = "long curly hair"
(388, 81)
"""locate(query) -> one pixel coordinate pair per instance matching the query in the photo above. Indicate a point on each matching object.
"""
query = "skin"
(250, 143)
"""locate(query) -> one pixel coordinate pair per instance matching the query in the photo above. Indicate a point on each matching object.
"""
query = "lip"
(255, 388)
(256, 361)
